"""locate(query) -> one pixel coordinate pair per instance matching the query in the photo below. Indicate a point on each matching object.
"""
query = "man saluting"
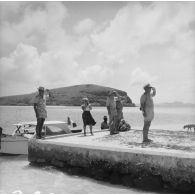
(40, 110)
(147, 108)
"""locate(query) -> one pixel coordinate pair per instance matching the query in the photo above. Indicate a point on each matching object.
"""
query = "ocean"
(17, 175)
(168, 118)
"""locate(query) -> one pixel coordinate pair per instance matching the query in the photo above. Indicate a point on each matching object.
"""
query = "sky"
(123, 45)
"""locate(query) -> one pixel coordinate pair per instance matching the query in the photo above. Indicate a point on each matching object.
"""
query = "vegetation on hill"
(68, 96)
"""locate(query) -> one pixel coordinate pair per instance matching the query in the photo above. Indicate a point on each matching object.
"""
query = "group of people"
(114, 105)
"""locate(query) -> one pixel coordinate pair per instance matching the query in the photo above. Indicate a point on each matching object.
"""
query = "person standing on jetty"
(147, 108)
(40, 110)
(112, 112)
(119, 106)
(87, 117)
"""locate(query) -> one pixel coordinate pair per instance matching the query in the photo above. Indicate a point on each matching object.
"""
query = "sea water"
(17, 175)
(168, 118)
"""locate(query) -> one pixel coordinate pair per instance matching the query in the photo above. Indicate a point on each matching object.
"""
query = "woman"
(87, 117)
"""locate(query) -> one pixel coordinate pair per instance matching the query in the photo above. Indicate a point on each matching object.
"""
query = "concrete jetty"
(142, 166)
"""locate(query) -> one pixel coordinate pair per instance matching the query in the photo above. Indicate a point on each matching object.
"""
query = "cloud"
(36, 26)
(84, 26)
(9, 10)
(25, 66)
(94, 73)
(137, 26)
(140, 77)
(144, 42)
(36, 50)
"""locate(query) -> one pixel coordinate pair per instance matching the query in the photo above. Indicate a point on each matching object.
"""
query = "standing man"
(40, 110)
(112, 112)
(147, 108)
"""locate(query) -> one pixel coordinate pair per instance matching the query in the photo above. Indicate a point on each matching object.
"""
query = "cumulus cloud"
(37, 26)
(26, 66)
(137, 26)
(36, 50)
(84, 26)
(94, 73)
(140, 77)
(143, 42)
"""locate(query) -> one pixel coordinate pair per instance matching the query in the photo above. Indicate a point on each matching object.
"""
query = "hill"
(68, 96)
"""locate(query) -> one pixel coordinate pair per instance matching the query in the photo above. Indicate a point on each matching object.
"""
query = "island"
(68, 96)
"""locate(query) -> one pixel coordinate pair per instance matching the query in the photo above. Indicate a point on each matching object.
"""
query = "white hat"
(85, 99)
(147, 86)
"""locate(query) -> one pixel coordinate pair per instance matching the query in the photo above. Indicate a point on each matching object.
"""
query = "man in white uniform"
(147, 108)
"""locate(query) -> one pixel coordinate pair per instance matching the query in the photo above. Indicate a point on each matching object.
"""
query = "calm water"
(17, 175)
(165, 118)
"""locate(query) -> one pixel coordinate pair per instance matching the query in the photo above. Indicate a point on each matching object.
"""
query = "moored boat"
(17, 143)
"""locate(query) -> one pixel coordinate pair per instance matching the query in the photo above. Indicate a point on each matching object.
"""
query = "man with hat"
(40, 110)
(147, 108)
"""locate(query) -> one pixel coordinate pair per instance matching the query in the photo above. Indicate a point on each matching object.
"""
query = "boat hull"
(18, 143)
(14, 145)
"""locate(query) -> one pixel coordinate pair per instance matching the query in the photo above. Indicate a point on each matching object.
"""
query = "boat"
(17, 142)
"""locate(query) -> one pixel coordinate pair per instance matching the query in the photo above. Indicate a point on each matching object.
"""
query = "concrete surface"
(141, 167)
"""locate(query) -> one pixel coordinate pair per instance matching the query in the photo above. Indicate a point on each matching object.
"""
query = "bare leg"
(146, 130)
(84, 128)
(90, 126)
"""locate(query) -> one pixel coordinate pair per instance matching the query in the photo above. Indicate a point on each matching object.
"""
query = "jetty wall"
(130, 167)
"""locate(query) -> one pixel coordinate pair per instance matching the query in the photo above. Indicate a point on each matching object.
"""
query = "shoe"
(114, 133)
(147, 141)
(84, 134)
(91, 133)
(38, 137)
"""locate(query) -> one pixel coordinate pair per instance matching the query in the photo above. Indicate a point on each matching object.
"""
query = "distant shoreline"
(136, 106)
(64, 105)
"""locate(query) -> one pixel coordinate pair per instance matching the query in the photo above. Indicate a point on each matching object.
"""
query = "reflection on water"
(17, 175)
